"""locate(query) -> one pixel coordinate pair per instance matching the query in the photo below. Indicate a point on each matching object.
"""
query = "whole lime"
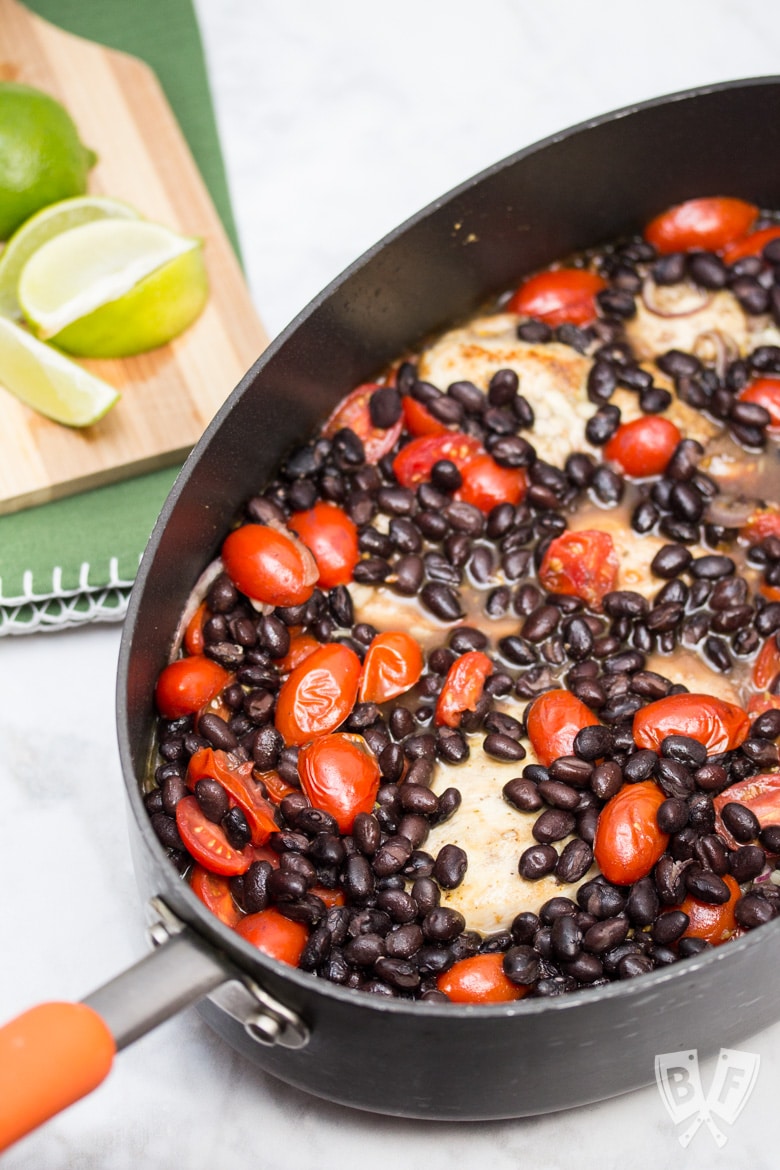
(42, 158)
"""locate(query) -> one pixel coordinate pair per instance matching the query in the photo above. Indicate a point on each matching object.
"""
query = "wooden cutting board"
(169, 394)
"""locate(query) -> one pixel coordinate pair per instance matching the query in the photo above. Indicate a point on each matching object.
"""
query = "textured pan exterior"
(575, 189)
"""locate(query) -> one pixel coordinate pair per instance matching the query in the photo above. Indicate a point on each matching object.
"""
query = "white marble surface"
(338, 120)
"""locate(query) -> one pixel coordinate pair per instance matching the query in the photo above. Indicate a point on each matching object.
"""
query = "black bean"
(442, 601)
(743, 824)
(711, 567)
(392, 855)
(753, 910)
(358, 880)
(669, 926)
(671, 560)
(642, 904)
(672, 815)
(607, 485)
(553, 825)
(770, 838)
(537, 861)
(236, 828)
(441, 924)
(212, 799)
(503, 747)
(450, 867)
(565, 937)
(707, 269)
(574, 862)
(746, 863)
(706, 886)
(606, 780)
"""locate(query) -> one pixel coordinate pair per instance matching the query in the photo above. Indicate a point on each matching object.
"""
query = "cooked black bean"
(537, 861)
(236, 828)
(746, 863)
(442, 924)
(553, 825)
(753, 910)
(706, 886)
(450, 866)
(770, 838)
(671, 560)
(392, 855)
(743, 824)
(574, 862)
(442, 601)
(503, 747)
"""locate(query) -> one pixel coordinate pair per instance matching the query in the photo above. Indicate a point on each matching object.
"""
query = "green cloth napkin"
(74, 561)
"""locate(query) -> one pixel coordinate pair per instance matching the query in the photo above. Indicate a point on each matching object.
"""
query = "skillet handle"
(56, 1053)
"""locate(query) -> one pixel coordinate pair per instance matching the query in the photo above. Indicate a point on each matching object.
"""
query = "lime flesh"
(43, 226)
(50, 383)
(114, 287)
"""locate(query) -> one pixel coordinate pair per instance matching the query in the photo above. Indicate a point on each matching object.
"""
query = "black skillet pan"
(576, 189)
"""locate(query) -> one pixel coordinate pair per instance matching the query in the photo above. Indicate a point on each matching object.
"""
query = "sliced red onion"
(649, 289)
(730, 511)
(199, 591)
(723, 344)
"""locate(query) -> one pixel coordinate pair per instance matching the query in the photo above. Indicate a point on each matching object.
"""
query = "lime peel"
(46, 380)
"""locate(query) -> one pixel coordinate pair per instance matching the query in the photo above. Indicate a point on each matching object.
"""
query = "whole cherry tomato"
(235, 776)
(329, 533)
(412, 465)
(340, 775)
(480, 979)
(354, 412)
(750, 245)
(709, 224)
(214, 892)
(270, 566)
(419, 421)
(765, 392)
(187, 684)
(462, 688)
(553, 721)
(715, 923)
(207, 842)
(392, 665)
(761, 794)
(581, 564)
(719, 725)
(628, 841)
(644, 446)
(319, 694)
(486, 484)
(559, 295)
(275, 935)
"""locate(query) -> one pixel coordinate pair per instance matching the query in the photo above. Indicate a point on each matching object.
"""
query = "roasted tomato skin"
(643, 447)
(412, 465)
(269, 566)
(714, 923)
(462, 688)
(750, 245)
(480, 979)
(559, 295)
(354, 411)
(628, 841)
(235, 776)
(761, 794)
(187, 684)
(709, 224)
(765, 392)
(392, 665)
(553, 721)
(581, 564)
(419, 421)
(214, 892)
(719, 725)
(332, 537)
(275, 935)
(318, 694)
(486, 483)
(766, 668)
(340, 774)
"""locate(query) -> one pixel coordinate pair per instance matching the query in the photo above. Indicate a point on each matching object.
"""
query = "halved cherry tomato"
(750, 245)
(207, 842)
(329, 533)
(214, 892)
(764, 522)
(480, 979)
(581, 564)
(628, 841)
(413, 463)
(354, 412)
(275, 935)
(187, 684)
(276, 788)
(761, 794)
(419, 421)
(486, 484)
(558, 296)
(462, 688)
(715, 923)
(270, 566)
(644, 446)
(709, 223)
(194, 640)
(340, 775)
(301, 646)
(719, 725)
(767, 665)
(319, 694)
(392, 665)
(553, 721)
(765, 392)
(235, 776)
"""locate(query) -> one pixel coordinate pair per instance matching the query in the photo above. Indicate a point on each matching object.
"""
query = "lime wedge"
(43, 226)
(50, 383)
(114, 287)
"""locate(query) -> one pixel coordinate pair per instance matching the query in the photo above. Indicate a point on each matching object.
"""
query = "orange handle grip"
(50, 1056)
